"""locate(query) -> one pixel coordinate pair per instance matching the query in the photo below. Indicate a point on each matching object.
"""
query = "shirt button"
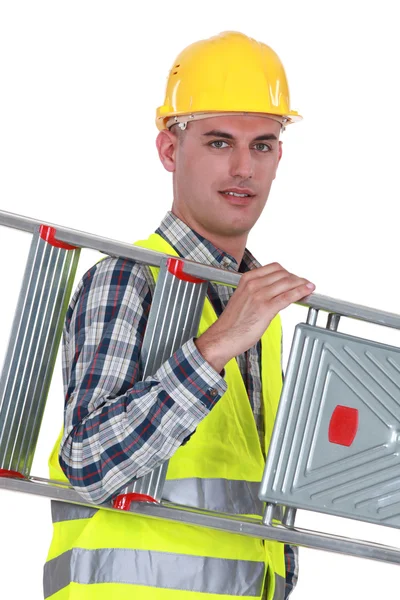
(225, 262)
(213, 392)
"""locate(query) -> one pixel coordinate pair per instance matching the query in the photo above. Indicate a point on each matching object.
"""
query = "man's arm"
(117, 427)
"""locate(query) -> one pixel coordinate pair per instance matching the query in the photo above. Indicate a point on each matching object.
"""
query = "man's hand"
(261, 294)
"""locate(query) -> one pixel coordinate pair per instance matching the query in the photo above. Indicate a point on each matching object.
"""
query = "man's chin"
(231, 229)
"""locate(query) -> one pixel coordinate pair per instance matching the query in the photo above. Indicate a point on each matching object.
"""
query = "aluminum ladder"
(324, 456)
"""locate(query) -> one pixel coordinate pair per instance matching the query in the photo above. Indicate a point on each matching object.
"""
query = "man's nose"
(241, 163)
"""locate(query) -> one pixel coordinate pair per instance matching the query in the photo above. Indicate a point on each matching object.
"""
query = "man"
(210, 407)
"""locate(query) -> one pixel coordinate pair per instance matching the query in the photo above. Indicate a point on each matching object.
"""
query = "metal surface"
(149, 257)
(31, 354)
(173, 319)
(305, 467)
(268, 514)
(354, 311)
(333, 322)
(335, 446)
(244, 526)
(289, 517)
(312, 316)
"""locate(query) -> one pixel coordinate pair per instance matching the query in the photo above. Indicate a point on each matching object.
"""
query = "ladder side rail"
(246, 526)
(213, 274)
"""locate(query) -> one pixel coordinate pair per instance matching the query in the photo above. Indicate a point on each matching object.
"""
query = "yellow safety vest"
(102, 555)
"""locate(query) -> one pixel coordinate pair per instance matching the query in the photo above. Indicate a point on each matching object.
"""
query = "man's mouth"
(238, 193)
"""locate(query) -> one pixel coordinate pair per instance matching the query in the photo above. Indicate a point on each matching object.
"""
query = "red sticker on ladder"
(343, 425)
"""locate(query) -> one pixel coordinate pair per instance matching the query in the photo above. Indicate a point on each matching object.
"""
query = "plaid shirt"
(118, 427)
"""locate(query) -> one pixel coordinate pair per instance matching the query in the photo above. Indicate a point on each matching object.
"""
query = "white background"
(79, 85)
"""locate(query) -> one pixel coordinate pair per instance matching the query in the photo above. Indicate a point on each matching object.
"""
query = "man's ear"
(166, 143)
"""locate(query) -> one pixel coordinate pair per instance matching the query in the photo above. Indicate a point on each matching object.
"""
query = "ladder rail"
(232, 524)
(212, 274)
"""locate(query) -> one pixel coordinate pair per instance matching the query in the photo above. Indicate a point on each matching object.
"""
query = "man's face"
(217, 155)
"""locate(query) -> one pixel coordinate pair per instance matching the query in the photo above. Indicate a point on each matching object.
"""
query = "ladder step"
(336, 439)
(34, 340)
(173, 319)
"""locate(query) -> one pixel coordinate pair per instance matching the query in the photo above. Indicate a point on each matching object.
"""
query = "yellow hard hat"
(228, 73)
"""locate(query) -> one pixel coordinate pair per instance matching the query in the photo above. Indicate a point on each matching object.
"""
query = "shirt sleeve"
(292, 568)
(116, 426)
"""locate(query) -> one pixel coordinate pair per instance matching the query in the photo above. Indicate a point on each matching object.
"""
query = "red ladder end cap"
(7, 473)
(175, 266)
(48, 234)
(123, 501)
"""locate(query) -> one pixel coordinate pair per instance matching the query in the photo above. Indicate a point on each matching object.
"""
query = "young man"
(210, 407)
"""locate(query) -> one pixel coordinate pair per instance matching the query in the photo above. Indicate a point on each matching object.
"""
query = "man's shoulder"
(116, 274)
(110, 264)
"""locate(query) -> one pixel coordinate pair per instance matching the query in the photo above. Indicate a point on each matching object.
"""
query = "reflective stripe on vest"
(280, 584)
(219, 495)
(143, 567)
(63, 511)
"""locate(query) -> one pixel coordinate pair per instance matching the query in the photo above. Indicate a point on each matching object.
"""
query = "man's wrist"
(212, 351)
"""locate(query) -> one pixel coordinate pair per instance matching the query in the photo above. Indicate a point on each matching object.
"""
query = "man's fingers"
(261, 272)
(278, 284)
(289, 296)
(267, 277)
(264, 283)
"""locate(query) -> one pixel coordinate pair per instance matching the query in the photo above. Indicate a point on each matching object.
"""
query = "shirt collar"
(190, 244)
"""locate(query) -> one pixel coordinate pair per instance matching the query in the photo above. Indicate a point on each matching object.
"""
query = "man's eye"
(263, 147)
(218, 142)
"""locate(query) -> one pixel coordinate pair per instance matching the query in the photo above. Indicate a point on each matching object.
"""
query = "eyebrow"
(229, 136)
